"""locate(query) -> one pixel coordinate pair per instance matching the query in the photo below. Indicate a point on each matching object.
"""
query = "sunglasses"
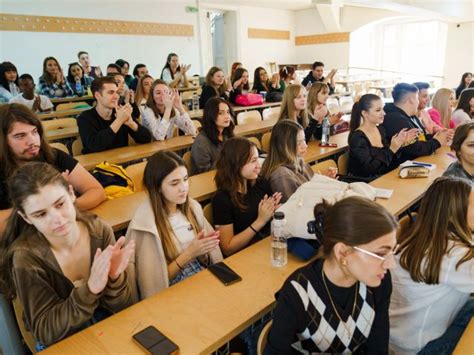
(382, 258)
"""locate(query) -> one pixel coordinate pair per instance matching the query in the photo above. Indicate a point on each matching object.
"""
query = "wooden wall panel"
(264, 33)
(12, 22)
(322, 38)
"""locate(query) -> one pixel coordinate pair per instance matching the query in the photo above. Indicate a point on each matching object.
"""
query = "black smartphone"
(154, 342)
(224, 273)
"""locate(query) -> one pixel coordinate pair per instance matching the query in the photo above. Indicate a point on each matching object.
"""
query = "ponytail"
(352, 221)
(363, 104)
(356, 117)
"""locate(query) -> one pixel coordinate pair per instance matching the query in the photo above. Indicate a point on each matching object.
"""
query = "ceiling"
(448, 10)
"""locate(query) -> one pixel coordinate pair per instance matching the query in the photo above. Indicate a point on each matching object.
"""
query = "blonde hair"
(283, 147)
(316, 88)
(288, 109)
(441, 103)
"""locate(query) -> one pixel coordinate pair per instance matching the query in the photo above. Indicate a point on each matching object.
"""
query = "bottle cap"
(279, 215)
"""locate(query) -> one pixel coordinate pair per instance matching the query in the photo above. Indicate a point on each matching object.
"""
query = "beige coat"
(148, 269)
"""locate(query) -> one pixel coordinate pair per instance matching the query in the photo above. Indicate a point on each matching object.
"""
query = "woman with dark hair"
(165, 112)
(463, 146)
(262, 83)
(8, 82)
(240, 84)
(173, 238)
(214, 86)
(234, 67)
(217, 126)
(466, 80)
(434, 277)
(63, 265)
(244, 203)
(370, 154)
(173, 73)
(52, 83)
(124, 69)
(339, 302)
(78, 81)
(464, 111)
(287, 76)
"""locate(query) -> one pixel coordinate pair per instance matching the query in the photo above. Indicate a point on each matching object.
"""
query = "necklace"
(334, 306)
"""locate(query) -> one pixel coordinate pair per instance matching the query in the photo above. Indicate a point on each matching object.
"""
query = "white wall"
(459, 53)
(259, 52)
(333, 55)
(28, 49)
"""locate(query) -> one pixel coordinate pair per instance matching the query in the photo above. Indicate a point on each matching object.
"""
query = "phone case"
(224, 273)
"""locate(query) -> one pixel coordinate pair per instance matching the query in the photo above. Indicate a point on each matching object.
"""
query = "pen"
(451, 155)
(422, 164)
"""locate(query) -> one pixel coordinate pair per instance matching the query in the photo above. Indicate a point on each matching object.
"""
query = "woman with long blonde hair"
(443, 103)
(431, 303)
(173, 238)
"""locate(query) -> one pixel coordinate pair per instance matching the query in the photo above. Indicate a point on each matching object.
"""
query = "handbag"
(274, 96)
(249, 100)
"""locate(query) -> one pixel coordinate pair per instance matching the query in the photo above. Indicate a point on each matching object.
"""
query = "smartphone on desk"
(154, 342)
(224, 273)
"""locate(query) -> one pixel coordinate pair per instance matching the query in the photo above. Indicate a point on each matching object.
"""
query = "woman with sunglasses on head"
(339, 303)
(431, 303)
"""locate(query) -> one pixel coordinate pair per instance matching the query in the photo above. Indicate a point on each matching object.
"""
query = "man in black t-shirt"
(317, 75)
(23, 141)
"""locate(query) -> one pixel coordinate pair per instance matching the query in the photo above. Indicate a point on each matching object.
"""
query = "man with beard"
(22, 139)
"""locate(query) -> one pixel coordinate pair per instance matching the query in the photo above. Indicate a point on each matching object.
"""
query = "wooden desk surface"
(199, 314)
(189, 88)
(62, 100)
(140, 151)
(119, 212)
(65, 113)
(466, 344)
(66, 132)
(408, 191)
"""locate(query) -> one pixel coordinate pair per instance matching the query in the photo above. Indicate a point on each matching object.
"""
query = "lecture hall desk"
(466, 344)
(140, 151)
(201, 319)
(118, 212)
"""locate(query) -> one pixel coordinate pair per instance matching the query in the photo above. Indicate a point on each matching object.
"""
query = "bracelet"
(179, 266)
(252, 228)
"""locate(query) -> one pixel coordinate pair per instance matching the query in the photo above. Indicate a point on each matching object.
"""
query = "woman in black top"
(244, 204)
(466, 80)
(262, 83)
(339, 303)
(215, 85)
(370, 154)
(240, 84)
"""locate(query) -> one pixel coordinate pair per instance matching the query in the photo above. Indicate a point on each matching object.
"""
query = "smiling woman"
(339, 303)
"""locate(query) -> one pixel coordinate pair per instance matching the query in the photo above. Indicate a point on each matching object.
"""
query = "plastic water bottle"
(79, 91)
(326, 131)
(195, 102)
(279, 245)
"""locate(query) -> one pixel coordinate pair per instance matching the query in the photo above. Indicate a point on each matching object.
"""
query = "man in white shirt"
(28, 98)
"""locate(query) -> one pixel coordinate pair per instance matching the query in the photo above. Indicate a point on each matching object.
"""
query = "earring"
(344, 262)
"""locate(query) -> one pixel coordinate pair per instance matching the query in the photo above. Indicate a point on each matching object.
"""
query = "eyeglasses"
(383, 258)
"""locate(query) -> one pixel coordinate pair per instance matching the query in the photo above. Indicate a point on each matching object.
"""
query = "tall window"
(416, 47)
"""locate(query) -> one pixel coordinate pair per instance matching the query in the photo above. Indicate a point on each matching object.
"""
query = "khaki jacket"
(53, 307)
(148, 269)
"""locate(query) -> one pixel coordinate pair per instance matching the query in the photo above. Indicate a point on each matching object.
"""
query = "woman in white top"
(164, 112)
(431, 303)
(173, 73)
(173, 238)
(464, 111)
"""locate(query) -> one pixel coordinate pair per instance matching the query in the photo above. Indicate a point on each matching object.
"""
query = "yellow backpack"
(114, 179)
